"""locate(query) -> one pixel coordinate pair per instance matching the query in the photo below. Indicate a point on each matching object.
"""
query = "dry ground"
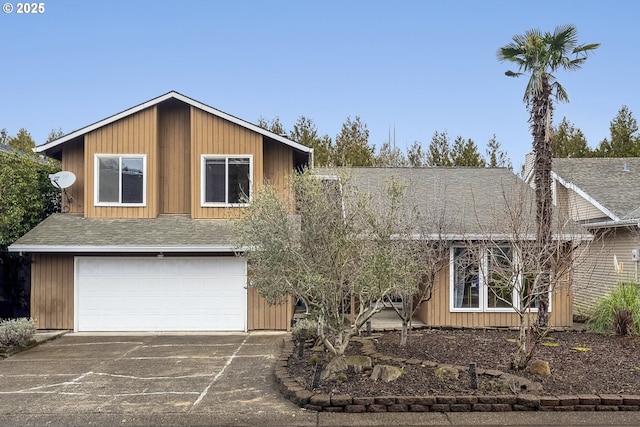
(581, 363)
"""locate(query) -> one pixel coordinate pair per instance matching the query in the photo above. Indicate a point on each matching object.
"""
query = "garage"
(160, 294)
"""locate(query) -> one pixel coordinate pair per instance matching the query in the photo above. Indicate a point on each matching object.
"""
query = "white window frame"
(203, 179)
(483, 291)
(96, 179)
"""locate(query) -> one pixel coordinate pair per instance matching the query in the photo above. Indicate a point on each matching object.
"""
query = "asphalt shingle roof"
(606, 181)
(473, 201)
(66, 232)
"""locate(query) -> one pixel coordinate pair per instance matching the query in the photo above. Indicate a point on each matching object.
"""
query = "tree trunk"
(404, 334)
(541, 115)
(520, 358)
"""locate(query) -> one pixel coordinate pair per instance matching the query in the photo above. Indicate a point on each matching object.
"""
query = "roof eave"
(122, 249)
(172, 95)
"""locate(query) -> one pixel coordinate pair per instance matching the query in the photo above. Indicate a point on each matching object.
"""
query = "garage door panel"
(161, 294)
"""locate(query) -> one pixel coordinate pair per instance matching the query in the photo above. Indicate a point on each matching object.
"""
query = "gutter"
(120, 249)
(613, 223)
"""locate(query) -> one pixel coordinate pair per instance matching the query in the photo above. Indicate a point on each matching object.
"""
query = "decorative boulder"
(385, 373)
(337, 365)
(358, 362)
(447, 373)
(540, 368)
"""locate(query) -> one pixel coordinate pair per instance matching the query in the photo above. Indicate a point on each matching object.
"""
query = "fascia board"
(584, 195)
(180, 97)
(120, 249)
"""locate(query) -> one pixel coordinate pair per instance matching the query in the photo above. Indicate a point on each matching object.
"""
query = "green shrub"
(617, 312)
(17, 332)
(305, 329)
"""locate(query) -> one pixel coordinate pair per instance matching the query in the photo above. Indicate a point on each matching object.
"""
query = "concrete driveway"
(194, 380)
(162, 378)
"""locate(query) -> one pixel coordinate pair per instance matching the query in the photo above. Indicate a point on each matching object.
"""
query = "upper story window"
(226, 180)
(120, 180)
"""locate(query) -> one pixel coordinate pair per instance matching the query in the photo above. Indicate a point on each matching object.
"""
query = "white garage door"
(161, 294)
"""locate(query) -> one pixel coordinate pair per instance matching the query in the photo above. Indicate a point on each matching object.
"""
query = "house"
(145, 241)
(602, 195)
(471, 212)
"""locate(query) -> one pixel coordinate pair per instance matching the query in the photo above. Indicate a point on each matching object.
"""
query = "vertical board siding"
(73, 160)
(262, 316)
(52, 291)
(436, 312)
(278, 167)
(213, 135)
(278, 164)
(135, 134)
(174, 150)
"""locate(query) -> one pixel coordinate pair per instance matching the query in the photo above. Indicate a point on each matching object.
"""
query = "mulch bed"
(581, 363)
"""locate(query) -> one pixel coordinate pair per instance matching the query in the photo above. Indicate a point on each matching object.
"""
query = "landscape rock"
(447, 372)
(540, 368)
(385, 373)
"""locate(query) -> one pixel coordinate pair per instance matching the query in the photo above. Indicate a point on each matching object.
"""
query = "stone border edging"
(322, 402)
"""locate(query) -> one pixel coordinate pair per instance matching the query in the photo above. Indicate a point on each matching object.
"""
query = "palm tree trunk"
(541, 114)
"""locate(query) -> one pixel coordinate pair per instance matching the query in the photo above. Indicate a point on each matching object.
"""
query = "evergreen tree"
(625, 141)
(439, 153)
(273, 125)
(391, 156)
(497, 158)
(352, 145)
(54, 134)
(22, 141)
(306, 133)
(416, 157)
(569, 141)
(465, 153)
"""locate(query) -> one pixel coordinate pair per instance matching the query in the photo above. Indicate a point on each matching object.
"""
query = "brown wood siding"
(174, 139)
(261, 316)
(52, 291)
(278, 163)
(213, 135)
(136, 134)
(73, 160)
(436, 312)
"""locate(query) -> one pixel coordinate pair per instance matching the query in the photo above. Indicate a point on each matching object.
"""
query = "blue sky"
(415, 67)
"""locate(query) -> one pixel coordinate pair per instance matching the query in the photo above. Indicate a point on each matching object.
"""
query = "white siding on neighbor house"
(594, 273)
(581, 209)
(160, 294)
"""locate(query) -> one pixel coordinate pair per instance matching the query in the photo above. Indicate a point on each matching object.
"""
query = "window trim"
(96, 179)
(483, 292)
(203, 179)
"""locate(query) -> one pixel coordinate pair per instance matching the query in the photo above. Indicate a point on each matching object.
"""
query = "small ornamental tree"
(340, 252)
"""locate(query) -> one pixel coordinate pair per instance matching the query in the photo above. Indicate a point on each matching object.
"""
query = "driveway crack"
(219, 374)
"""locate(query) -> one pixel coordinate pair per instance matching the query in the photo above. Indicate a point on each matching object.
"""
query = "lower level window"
(466, 279)
(488, 279)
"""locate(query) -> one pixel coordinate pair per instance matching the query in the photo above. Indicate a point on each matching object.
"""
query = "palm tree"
(540, 55)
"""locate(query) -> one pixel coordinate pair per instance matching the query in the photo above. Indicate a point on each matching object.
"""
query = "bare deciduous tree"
(505, 265)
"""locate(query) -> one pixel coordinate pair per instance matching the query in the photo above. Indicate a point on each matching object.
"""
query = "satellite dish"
(62, 179)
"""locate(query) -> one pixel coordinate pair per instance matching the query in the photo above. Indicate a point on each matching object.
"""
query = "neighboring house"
(146, 243)
(601, 194)
(467, 210)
